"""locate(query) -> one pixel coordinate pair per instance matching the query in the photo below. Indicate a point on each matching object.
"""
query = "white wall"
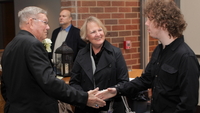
(51, 6)
(191, 9)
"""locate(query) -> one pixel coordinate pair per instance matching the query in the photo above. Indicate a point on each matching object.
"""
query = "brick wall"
(121, 18)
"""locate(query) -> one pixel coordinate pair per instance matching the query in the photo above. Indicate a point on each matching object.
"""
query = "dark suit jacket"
(28, 82)
(73, 40)
(110, 71)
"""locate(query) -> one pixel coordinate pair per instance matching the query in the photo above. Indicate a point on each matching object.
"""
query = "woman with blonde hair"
(99, 64)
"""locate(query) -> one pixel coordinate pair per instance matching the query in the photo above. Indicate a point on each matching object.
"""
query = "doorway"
(7, 22)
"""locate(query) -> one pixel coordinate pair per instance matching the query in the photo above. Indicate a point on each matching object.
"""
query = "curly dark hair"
(166, 14)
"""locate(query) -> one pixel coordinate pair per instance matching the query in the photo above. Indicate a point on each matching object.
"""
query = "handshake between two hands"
(96, 98)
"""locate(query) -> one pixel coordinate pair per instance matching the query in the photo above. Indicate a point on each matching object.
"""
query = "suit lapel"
(86, 64)
(105, 60)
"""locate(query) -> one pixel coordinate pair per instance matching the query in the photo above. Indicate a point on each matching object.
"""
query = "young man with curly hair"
(173, 71)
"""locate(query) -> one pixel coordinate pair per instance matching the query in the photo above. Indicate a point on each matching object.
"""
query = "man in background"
(66, 33)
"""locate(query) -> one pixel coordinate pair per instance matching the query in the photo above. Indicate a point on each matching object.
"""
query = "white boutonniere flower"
(47, 44)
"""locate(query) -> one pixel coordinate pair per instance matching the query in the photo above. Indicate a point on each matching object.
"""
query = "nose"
(147, 22)
(48, 27)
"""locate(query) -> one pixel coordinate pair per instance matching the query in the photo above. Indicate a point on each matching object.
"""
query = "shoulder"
(74, 28)
(185, 50)
(108, 46)
(57, 29)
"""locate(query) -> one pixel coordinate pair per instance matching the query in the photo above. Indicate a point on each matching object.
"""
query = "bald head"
(65, 18)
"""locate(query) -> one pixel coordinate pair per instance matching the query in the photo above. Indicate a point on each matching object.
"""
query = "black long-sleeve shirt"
(173, 74)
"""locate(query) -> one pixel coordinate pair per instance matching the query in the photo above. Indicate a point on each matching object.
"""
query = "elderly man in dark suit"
(28, 81)
(66, 33)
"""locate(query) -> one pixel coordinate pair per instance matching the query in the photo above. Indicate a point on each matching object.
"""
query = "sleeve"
(138, 84)
(189, 84)
(122, 71)
(42, 71)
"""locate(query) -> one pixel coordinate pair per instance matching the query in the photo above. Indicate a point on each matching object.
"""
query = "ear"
(70, 18)
(31, 21)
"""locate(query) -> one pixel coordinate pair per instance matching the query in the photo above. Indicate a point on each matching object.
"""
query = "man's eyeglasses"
(45, 22)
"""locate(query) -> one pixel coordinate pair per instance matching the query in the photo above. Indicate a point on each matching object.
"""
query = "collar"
(66, 29)
(106, 46)
(175, 43)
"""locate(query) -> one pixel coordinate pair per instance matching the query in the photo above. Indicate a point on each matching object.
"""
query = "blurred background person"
(66, 33)
(99, 64)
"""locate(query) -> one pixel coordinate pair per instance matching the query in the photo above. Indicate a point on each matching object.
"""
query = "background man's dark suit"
(73, 40)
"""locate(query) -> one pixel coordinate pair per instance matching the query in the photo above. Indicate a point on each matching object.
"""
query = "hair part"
(166, 14)
(29, 12)
(83, 30)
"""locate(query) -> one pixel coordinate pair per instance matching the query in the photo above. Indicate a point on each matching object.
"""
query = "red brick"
(125, 21)
(74, 23)
(151, 48)
(80, 23)
(116, 45)
(136, 21)
(136, 66)
(117, 40)
(131, 15)
(151, 42)
(132, 61)
(88, 3)
(122, 50)
(135, 32)
(79, 3)
(121, 45)
(131, 38)
(113, 34)
(103, 3)
(124, 9)
(117, 3)
(124, 33)
(118, 15)
(111, 9)
(131, 50)
(132, 4)
(108, 39)
(108, 28)
(111, 21)
(68, 3)
(96, 10)
(103, 16)
(84, 16)
(127, 56)
(135, 44)
(83, 10)
(73, 10)
(118, 27)
(136, 55)
(131, 27)
(135, 9)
